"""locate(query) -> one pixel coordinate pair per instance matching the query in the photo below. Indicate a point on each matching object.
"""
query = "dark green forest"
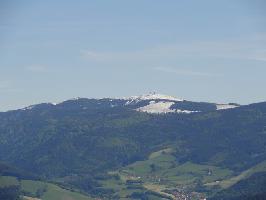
(78, 148)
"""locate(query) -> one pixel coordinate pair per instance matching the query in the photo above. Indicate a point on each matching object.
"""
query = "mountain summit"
(153, 96)
(150, 103)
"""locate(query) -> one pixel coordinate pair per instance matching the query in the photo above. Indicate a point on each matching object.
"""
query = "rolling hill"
(150, 146)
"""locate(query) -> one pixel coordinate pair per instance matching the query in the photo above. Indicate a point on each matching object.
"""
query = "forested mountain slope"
(84, 139)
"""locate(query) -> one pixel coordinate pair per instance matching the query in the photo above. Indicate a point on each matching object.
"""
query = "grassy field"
(161, 172)
(52, 192)
(161, 152)
(162, 167)
(226, 183)
(48, 191)
(29, 198)
(6, 181)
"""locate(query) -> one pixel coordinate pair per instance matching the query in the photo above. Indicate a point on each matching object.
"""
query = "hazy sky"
(53, 50)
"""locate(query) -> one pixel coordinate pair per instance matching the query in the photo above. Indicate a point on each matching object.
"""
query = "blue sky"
(205, 50)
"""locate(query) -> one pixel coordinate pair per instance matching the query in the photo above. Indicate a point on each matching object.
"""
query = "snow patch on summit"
(225, 106)
(162, 107)
(159, 107)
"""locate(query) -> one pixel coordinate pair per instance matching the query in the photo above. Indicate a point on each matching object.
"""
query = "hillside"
(100, 146)
(12, 188)
(17, 184)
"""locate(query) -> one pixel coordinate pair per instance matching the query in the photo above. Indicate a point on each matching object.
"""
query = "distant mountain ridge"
(153, 103)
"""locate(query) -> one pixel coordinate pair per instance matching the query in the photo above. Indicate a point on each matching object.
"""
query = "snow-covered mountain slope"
(150, 103)
(157, 107)
(162, 107)
(159, 103)
(152, 96)
(154, 103)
